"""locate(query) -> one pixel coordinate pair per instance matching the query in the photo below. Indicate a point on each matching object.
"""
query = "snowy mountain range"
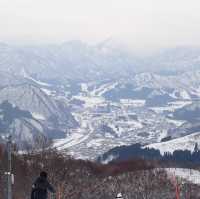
(76, 60)
(89, 99)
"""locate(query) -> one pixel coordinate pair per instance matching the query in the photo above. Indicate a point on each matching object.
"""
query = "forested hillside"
(74, 179)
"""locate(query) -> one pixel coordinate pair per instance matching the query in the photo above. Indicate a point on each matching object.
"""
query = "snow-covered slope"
(153, 86)
(33, 99)
(183, 143)
(47, 116)
(23, 127)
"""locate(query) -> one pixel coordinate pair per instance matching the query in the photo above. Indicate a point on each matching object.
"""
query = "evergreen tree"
(196, 148)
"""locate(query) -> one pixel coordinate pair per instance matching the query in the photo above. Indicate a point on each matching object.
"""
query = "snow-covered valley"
(105, 124)
(89, 101)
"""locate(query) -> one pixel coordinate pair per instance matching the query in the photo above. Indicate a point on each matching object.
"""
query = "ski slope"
(184, 143)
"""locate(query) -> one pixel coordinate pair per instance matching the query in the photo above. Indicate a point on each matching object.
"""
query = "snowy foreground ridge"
(188, 175)
(184, 143)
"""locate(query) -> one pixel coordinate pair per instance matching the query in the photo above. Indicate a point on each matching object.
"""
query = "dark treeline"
(183, 158)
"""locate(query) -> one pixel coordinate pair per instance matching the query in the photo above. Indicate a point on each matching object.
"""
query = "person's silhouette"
(41, 186)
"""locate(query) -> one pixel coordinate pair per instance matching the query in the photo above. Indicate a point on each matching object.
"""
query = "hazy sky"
(139, 23)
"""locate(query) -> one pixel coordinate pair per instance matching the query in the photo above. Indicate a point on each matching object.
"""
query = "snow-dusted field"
(187, 175)
(133, 103)
(90, 101)
(184, 143)
(171, 107)
(69, 141)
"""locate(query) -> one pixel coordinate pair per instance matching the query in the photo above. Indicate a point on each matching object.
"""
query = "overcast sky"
(139, 23)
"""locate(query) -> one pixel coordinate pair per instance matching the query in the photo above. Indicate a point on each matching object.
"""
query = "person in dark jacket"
(41, 186)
